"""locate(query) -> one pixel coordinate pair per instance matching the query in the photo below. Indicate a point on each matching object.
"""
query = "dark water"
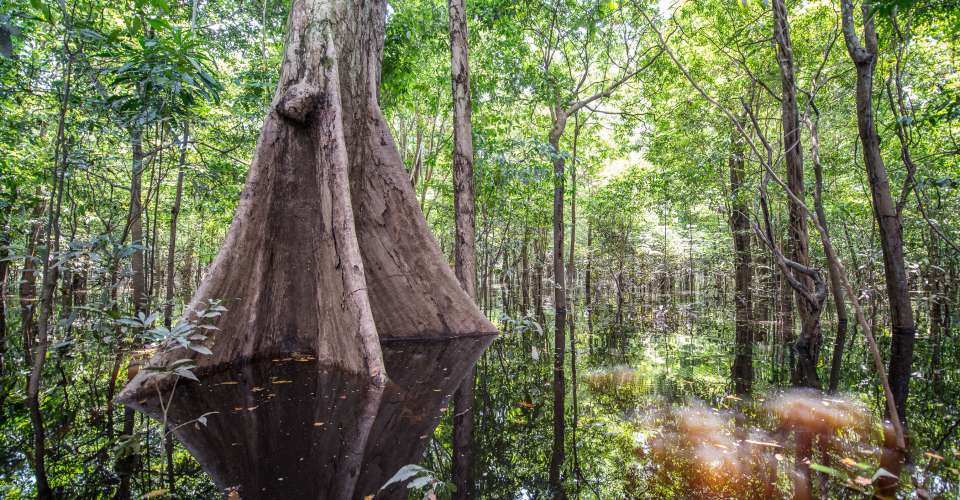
(288, 427)
(653, 419)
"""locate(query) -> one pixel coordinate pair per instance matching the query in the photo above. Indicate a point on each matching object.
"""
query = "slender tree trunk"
(787, 326)
(807, 346)
(172, 239)
(126, 465)
(170, 288)
(465, 246)
(4, 271)
(49, 283)
(135, 222)
(936, 304)
(836, 286)
(571, 281)
(588, 286)
(884, 209)
(742, 370)
(559, 304)
(538, 266)
(525, 272)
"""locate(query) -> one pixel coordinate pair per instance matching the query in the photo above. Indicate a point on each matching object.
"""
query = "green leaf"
(405, 473)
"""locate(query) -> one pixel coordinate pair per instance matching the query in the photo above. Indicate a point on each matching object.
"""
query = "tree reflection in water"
(288, 427)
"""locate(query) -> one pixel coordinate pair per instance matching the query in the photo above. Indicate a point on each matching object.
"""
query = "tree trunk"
(742, 370)
(338, 264)
(785, 355)
(836, 286)
(936, 303)
(525, 272)
(559, 304)
(172, 239)
(465, 257)
(807, 346)
(170, 288)
(4, 271)
(538, 266)
(138, 286)
(588, 287)
(884, 209)
(135, 222)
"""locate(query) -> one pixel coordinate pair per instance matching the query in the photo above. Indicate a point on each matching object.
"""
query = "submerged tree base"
(292, 427)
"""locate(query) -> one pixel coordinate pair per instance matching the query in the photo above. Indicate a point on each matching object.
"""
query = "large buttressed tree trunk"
(329, 254)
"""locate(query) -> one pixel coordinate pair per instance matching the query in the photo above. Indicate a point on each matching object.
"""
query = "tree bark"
(807, 346)
(170, 288)
(559, 304)
(742, 370)
(4, 271)
(885, 211)
(126, 465)
(328, 254)
(836, 286)
(135, 222)
(465, 257)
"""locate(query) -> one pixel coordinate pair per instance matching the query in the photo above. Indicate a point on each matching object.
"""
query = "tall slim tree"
(743, 271)
(864, 57)
(807, 346)
(465, 257)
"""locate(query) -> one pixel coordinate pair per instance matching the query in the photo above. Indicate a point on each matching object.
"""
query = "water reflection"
(290, 427)
(765, 449)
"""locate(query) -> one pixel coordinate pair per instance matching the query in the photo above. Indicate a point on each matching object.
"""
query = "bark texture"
(864, 57)
(742, 370)
(559, 303)
(807, 346)
(465, 256)
(329, 255)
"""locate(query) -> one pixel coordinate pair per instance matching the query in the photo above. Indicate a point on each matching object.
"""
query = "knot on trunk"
(297, 101)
